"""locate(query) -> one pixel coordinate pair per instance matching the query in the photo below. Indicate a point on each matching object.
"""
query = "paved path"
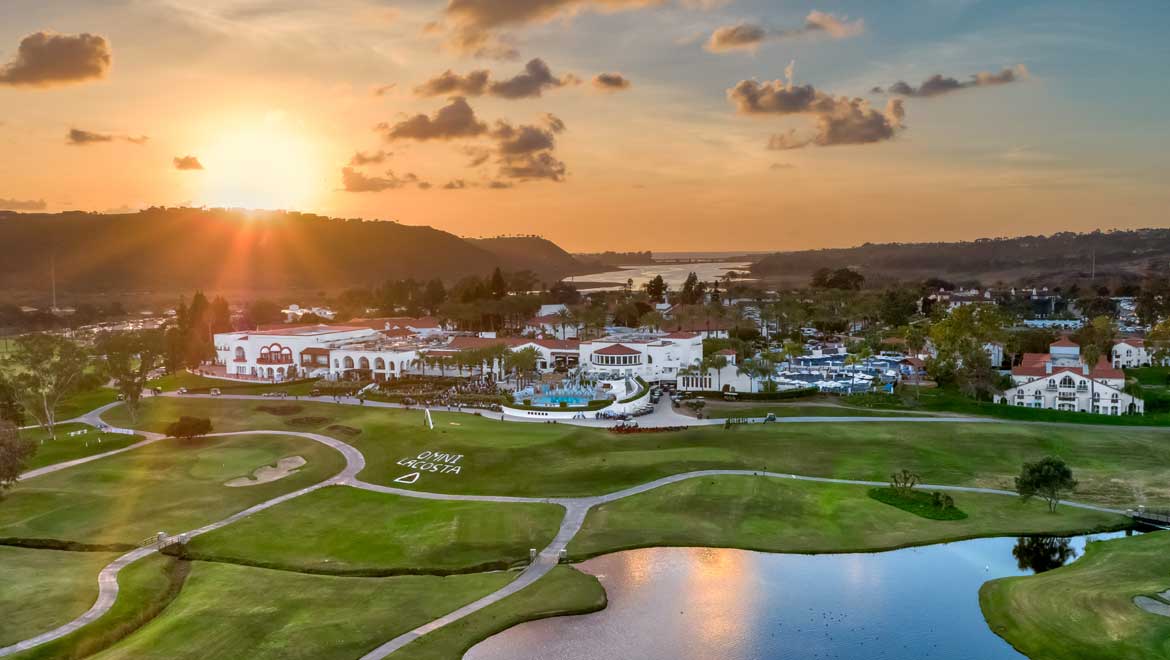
(576, 510)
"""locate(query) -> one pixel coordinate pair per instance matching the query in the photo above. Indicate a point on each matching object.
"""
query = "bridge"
(1159, 518)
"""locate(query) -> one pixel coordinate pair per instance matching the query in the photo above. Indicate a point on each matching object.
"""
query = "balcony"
(275, 359)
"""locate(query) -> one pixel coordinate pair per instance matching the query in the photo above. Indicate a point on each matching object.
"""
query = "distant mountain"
(533, 253)
(178, 249)
(1125, 255)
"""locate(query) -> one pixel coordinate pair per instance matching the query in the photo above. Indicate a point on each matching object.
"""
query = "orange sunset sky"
(600, 124)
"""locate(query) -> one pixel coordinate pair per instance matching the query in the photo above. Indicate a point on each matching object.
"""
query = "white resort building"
(653, 357)
(1133, 352)
(1060, 380)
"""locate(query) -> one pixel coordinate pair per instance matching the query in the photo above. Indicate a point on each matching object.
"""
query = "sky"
(600, 124)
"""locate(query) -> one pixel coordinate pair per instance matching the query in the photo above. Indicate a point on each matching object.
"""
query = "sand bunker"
(1152, 605)
(269, 473)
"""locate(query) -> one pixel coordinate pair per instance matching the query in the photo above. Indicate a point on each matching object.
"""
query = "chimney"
(1048, 367)
(1085, 368)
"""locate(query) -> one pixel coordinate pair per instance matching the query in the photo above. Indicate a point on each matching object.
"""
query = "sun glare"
(268, 165)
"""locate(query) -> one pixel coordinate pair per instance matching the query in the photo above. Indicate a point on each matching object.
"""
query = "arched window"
(379, 364)
(348, 362)
(240, 355)
(364, 363)
(1067, 381)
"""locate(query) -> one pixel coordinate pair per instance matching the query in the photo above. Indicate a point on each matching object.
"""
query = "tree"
(260, 312)
(897, 306)
(716, 362)
(904, 481)
(10, 408)
(1048, 479)
(15, 453)
(565, 317)
(434, 295)
(522, 362)
(656, 289)
(845, 279)
(49, 369)
(651, 320)
(187, 428)
(497, 285)
(129, 359)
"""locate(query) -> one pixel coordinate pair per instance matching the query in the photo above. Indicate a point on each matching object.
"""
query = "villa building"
(284, 353)
(1060, 380)
(653, 357)
(1133, 352)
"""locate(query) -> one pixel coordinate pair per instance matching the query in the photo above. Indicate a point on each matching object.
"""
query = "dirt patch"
(282, 410)
(344, 430)
(310, 421)
(268, 473)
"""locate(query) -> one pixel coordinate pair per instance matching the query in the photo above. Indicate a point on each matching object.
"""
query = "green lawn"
(66, 448)
(43, 589)
(145, 588)
(83, 402)
(201, 384)
(1114, 466)
(723, 410)
(343, 530)
(1086, 610)
(949, 400)
(778, 515)
(169, 486)
(229, 611)
(563, 591)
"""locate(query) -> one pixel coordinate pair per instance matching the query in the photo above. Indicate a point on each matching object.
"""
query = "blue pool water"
(554, 400)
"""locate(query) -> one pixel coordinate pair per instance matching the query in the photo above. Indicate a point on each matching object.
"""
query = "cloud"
(187, 163)
(526, 151)
(611, 82)
(354, 181)
(938, 84)
(749, 36)
(449, 82)
(361, 158)
(478, 155)
(839, 119)
(44, 59)
(485, 14)
(535, 78)
(455, 120)
(744, 36)
(79, 138)
(455, 184)
(781, 166)
(382, 90)
(22, 204)
(541, 165)
(499, 185)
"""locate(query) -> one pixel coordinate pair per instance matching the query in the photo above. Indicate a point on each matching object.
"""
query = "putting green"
(228, 611)
(43, 589)
(1114, 466)
(777, 515)
(343, 530)
(1086, 609)
(67, 448)
(169, 486)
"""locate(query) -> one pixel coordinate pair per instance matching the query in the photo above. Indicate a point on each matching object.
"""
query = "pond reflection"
(1042, 553)
(705, 604)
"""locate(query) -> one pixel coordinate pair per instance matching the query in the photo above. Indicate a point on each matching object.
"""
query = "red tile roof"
(1132, 341)
(315, 350)
(1065, 342)
(726, 351)
(1035, 364)
(681, 335)
(617, 349)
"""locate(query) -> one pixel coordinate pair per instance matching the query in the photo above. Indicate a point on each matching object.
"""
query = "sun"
(268, 164)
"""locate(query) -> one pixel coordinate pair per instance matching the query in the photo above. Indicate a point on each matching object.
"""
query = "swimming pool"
(555, 400)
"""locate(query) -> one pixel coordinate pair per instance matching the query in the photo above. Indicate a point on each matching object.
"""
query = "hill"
(533, 253)
(177, 249)
(1122, 255)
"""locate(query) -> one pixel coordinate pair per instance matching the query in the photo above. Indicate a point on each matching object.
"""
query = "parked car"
(181, 390)
(215, 391)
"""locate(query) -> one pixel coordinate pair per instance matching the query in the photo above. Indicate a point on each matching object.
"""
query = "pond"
(673, 274)
(708, 603)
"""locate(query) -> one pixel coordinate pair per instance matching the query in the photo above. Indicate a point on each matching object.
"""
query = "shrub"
(189, 427)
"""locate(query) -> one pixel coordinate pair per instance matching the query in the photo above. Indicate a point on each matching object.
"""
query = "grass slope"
(343, 530)
(66, 448)
(1113, 467)
(776, 515)
(227, 611)
(145, 588)
(563, 591)
(1085, 610)
(169, 486)
(43, 589)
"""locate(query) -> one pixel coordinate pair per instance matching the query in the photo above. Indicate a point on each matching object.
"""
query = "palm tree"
(716, 362)
(565, 317)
